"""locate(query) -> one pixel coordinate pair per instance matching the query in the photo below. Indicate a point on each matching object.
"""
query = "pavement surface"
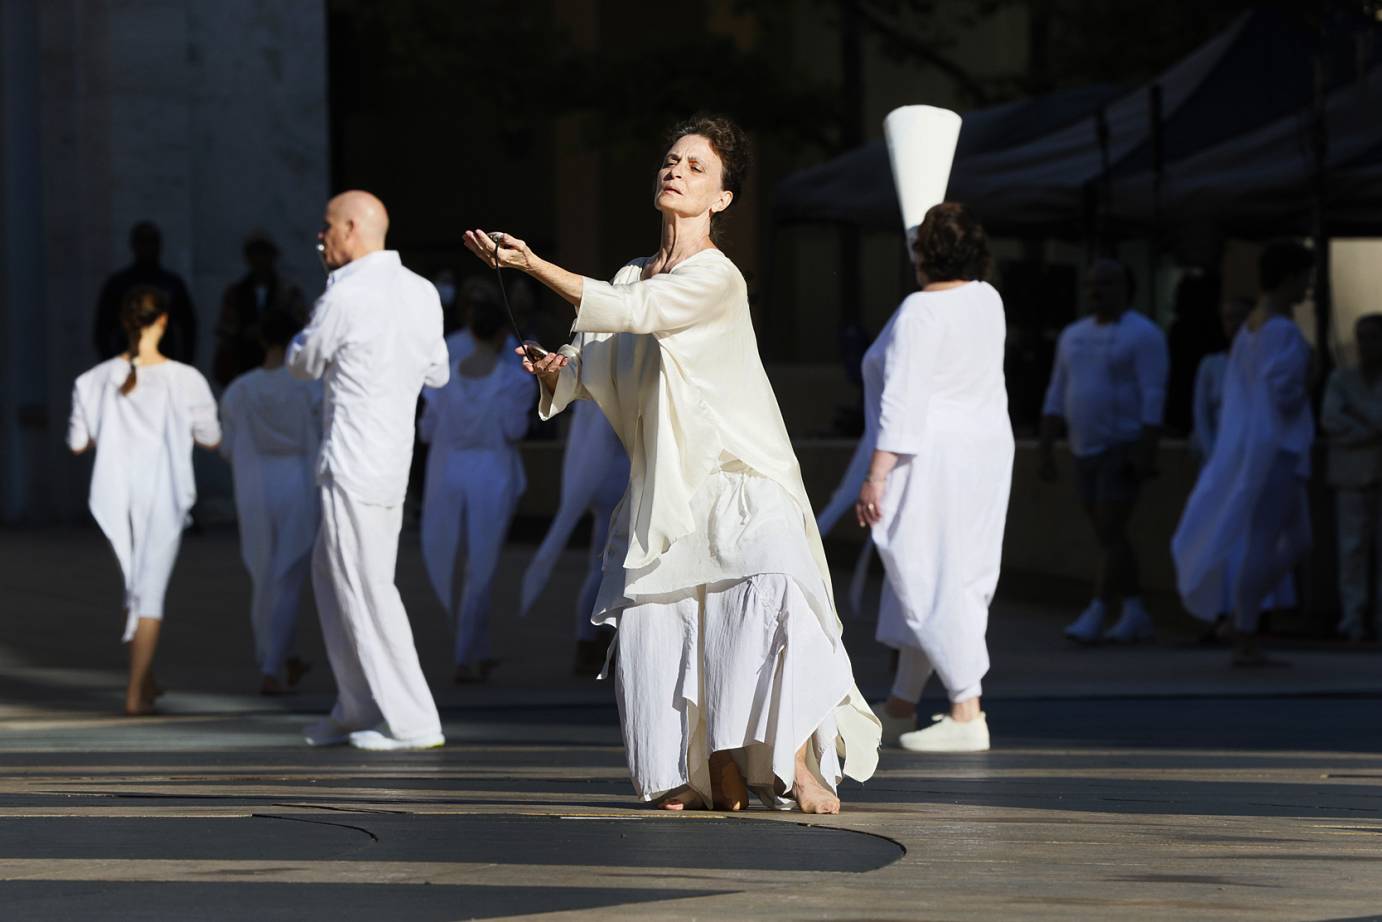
(1144, 783)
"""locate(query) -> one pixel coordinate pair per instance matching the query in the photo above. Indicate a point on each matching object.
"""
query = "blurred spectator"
(1195, 332)
(1352, 418)
(243, 306)
(445, 282)
(1108, 384)
(180, 341)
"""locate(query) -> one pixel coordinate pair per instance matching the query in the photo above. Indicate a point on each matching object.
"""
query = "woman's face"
(689, 184)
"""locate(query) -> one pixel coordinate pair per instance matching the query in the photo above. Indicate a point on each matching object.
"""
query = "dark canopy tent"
(1233, 118)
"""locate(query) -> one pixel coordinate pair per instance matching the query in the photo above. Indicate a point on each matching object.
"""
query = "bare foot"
(727, 788)
(138, 704)
(682, 798)
(812, 796)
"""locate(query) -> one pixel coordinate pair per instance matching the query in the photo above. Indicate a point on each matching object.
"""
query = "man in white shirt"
(375, 338)
(1108, 384)
(1352, 419)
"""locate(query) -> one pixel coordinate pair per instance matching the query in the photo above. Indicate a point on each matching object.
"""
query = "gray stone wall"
(207, 117)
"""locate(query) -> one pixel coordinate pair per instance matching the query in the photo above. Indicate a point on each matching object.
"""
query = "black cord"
(496, 236)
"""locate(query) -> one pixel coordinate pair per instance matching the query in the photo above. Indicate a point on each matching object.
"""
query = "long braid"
(141, 309)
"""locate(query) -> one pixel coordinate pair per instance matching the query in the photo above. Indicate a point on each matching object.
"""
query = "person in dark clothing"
(244, 304)
(180, 340)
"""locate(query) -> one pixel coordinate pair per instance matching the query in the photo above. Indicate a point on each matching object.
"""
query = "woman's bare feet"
(682, 798)
(727, 788)
(812, 796)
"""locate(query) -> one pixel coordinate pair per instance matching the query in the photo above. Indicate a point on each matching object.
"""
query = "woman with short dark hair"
(731, 671)
(936, 494)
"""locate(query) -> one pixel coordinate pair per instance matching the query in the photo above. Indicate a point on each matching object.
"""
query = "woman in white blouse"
(936, 494)
(142, 413)
(731, 673)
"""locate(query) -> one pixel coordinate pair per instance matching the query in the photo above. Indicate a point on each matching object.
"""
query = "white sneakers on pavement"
(381, 740)
(1089, 625)
(1134, 625)
(949, 735)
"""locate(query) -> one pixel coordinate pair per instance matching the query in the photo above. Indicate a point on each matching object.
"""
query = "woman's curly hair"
(951, 245)
(730, 144)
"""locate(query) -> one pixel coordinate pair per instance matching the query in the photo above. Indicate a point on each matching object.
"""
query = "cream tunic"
(934, 394)
(142, 487)
(673, 363)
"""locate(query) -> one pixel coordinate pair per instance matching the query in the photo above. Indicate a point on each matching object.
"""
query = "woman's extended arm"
(513, 253)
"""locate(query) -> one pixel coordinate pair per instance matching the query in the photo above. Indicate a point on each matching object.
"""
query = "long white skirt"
(742, 666)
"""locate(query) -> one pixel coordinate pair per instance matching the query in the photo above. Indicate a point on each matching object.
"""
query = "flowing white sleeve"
(693, 293)
(1054, 404)
(201, 411)
(313, 349)
(568, 388)
(1288, 370)
(78, 427)
(908, 374)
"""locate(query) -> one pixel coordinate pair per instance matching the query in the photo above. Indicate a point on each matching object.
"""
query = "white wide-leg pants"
(743, 666)
(368, 638)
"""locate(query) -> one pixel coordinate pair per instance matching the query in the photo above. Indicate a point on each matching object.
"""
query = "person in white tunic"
(731, 672)
(272, 426)
(594, 475)
(1108, 385)
(1352, 419)
(936, 494)
(474, 479)
(375, 339)
(1247, 521)
(143, 413)
(1206, 410)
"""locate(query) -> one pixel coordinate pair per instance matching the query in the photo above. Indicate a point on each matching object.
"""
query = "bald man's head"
(355, 225)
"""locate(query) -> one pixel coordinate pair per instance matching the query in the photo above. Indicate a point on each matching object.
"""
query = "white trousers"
(913, 671)
(743, 666)
(1278, 534)
(368, 638)
(274, 614)
(151, 567)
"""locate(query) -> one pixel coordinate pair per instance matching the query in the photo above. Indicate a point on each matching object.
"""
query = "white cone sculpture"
(921, 148)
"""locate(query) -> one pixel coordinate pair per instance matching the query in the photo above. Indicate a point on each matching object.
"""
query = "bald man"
(1108, 385)
(375, 338)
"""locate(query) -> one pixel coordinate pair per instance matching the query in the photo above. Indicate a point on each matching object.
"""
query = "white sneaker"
(893, 727)
(380, 740)
(326, 732)
(949, 735)
(1134, 625)
(1087, 627)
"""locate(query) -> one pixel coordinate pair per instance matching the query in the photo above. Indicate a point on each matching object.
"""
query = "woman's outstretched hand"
(546, 369)
(508, 251)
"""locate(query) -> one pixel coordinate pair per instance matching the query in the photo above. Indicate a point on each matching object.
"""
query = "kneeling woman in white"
(937, 489)
(731, 670)
(142, 413)
(474, 480)
(272, 424)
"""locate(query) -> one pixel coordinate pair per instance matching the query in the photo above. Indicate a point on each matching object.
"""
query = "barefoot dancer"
(731, 671)
(142, 413)
(272, 424)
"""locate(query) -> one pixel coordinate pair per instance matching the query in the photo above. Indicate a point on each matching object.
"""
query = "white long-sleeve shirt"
(375, 338)
(1108, 381)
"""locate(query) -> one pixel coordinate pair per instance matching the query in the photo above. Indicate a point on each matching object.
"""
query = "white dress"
(142, 487)
(1265, 430)
(594, 475)
(715, 575)
(934, 394)
(272, 432)
(474, 479)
